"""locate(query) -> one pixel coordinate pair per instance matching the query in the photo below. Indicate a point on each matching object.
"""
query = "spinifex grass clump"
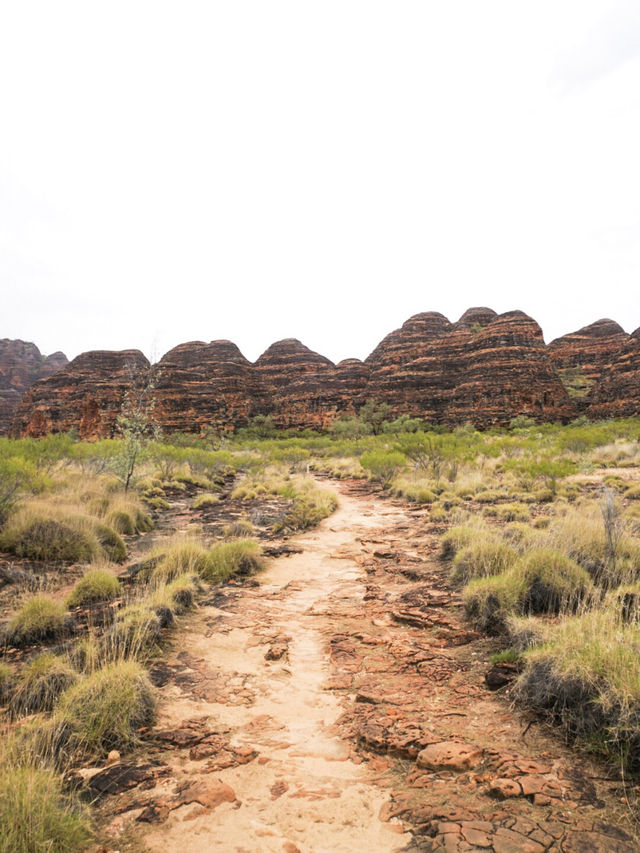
(7, 680)
(240, 529)
(135, 633)
(240, 557)
(40, 683)
(39, 618)
(541, 582)
(38, 814)
(176, 596)
(44, 532)
(106, 708)
(586, 677)
(484, 556)
(96, 586)
(178, 557)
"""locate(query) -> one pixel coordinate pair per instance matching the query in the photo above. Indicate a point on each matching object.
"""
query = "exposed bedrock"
(485, 368)
(21, 364)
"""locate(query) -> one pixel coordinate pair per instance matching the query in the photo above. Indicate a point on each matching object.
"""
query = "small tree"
(136, 422)
(375, 414)
(383, 465)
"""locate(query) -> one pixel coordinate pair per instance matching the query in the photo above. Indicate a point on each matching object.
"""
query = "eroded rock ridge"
(485, 369)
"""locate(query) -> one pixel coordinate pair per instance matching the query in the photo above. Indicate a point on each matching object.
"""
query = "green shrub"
(438, 514)
(37, 814)
(105, 709)
(97, 585)
(121, 521)
(40, 683)
(633, 493)
(241, 557)
(483, 557)
(382, 465)
(489, 497)
(39, 618)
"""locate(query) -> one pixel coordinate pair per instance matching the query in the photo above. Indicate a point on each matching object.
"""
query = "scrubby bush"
(97, 585)
(39, 618)
(105, 709)
(37, 814)
(382, 465)
(40, 683)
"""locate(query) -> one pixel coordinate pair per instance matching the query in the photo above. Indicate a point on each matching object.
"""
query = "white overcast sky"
(174, 171)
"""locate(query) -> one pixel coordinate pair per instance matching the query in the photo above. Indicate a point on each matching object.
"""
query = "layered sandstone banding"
(508, 373)
(485, 368)
(205, 385)
(582, 357)
(21, 364)
(617, 394)
(86, 395)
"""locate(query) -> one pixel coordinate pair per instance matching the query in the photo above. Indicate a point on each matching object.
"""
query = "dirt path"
(340, 705)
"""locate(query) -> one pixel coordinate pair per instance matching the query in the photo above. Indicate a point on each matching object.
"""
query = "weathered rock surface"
(617, 394)
(21, 364)
(581, 358)
(485, 369)
(86, 395)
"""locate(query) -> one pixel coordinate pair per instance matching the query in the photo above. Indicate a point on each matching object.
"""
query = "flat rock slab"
(449, 755)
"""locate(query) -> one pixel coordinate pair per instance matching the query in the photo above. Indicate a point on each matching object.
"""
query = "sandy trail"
(305, 791)
(339, 704)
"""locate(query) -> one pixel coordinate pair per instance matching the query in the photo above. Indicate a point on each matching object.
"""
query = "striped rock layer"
(21, 364)
(485, 369)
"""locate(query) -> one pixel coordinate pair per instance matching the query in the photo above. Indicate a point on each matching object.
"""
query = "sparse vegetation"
(40, 683)
(38, 814)
(39, 618)
(105, 709)
(96, 586)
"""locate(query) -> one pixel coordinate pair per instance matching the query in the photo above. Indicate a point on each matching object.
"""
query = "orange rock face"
(85, 395)
(21, 364)
(617, 394)
(484, 369)
(581, 358)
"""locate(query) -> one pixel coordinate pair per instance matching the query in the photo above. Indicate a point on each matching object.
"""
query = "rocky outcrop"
(617, 394)
(205, 385)
(507, 373)
(21, 364)
(85, 395)
(485, 368)
(582, 357)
